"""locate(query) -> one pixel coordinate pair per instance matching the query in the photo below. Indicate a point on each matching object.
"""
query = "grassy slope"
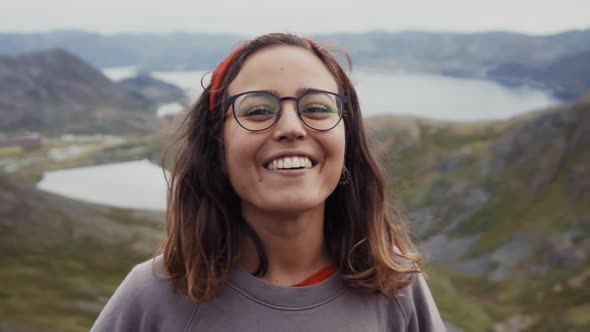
(136, 147)
(474, 303)
(410, 158)
(61, 259)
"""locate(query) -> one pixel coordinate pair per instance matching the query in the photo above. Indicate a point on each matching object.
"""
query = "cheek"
(240, 152)
(337, 144)
(334, 147)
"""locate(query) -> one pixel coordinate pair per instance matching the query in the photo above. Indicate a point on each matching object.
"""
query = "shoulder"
(144, 283)
(141, 300)
(147, 279)
(418, 307)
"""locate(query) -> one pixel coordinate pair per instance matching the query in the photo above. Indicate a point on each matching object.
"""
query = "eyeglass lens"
(260, 110)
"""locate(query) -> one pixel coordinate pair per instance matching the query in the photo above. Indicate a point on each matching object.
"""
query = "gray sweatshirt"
(145, 302)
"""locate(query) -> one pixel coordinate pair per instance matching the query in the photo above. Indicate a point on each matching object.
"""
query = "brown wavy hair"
(203, 222)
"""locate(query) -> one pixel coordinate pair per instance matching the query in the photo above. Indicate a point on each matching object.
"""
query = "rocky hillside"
(55, 91)
(154, 89)
(567, 76)
(60, 259)
(482, 55)
(502, 210)
(163, 51)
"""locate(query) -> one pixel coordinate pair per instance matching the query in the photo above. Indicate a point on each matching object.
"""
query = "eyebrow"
(298, 93)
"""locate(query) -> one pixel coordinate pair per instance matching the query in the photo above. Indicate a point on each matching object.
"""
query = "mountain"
(55, 91)
(462, 54)
(476, 55)
(167, 51)
(154, 89)
(567, 76)
(62, 259)
(502, 211)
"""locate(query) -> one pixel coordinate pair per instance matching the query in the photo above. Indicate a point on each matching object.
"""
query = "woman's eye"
(259, 111)
(316, 109)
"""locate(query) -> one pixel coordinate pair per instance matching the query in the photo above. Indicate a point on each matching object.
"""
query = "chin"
(290, 204)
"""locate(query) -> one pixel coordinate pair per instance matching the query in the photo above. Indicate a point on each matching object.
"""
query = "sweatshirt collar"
(286, 298)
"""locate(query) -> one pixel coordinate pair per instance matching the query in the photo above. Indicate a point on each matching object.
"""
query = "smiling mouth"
(287, 163)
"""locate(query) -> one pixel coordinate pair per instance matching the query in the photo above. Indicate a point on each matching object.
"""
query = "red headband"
(219, 74)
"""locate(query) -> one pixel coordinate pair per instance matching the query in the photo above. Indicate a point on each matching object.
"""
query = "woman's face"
(284, 70)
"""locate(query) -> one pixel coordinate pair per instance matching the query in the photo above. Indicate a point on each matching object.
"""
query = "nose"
(289, 127)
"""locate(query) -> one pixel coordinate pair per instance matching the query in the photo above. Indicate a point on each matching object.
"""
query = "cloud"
(301, 16)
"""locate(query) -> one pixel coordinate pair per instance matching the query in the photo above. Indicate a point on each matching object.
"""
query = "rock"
(499, 264)
(440, 249)
(153, 89)
(516, 323)
(55, 91)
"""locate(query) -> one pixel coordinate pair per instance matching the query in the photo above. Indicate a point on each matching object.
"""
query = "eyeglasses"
(260, 110)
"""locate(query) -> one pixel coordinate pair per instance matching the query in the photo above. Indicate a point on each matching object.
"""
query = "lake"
(135, 184)
(432, 96)
(141, 184)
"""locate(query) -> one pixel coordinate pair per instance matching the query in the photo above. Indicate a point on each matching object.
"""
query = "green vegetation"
(60, 260)
(133, 147)
(64, 287)
(455, 305)
(11, 151)
(534, 172)
(505, 215)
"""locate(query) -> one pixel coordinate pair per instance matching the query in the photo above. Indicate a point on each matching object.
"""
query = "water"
(432, 96)
(120, 73)
(169, 109)
(141, 184)
(136, 184)
(445, 98)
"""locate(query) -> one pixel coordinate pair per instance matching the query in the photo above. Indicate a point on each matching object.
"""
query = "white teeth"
(289, 162)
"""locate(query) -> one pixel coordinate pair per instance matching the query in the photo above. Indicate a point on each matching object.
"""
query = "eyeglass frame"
(232, 99)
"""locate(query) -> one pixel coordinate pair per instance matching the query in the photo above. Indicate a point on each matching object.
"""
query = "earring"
(345, 177)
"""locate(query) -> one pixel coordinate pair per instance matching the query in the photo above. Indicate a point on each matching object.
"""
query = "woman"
(277, 217)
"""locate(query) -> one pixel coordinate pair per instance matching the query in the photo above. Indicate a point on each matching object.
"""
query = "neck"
(293, 243)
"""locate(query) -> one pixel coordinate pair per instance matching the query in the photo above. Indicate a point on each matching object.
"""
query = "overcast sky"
(251, 17)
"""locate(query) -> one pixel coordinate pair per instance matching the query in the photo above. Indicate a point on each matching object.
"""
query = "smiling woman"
(277, 217)
(266, 191)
